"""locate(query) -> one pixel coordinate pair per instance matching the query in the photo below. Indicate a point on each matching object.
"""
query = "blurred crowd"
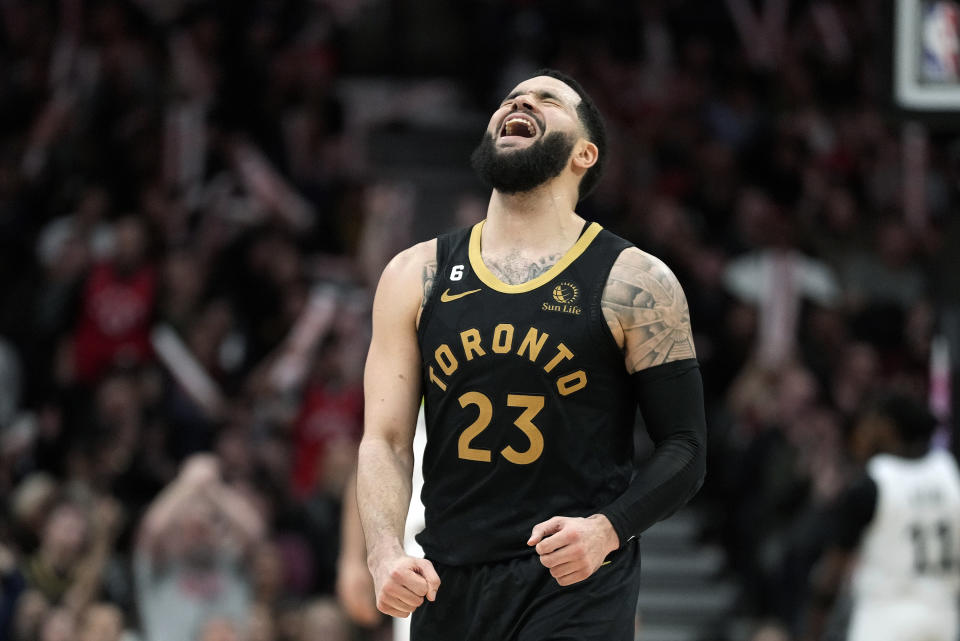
(190, 232)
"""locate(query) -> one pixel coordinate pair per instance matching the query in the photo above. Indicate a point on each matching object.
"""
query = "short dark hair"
(592, 122)
(913, 422)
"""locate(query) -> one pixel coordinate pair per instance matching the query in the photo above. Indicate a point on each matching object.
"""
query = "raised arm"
(197, 472)
(243, 521)
(392, 399)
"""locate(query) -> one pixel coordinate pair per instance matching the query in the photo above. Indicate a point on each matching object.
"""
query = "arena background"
(196, 200)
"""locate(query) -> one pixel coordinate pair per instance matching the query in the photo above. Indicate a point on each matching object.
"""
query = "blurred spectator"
(87, 225)
(355, 588)
(101, 622)
(60, 624)
(117, 307)
(31, 611)
(329, 425)
(12, 586)
(192, 556)
(322, 619)
(219, 629)
(887, 275)
(10, 384)
(76, 543)
(261, 625)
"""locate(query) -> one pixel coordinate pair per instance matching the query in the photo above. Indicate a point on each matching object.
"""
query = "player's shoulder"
(402, 280)
(633, 263)
(646, 311)
(635, 271)
(414, 257)
(946, 464)
(410, 264)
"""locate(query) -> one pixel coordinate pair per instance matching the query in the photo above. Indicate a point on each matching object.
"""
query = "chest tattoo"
(516, 269)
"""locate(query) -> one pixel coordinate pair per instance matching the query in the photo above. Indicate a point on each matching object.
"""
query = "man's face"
(101, 622)
(65, 536)
(530, 137)
(197, 533)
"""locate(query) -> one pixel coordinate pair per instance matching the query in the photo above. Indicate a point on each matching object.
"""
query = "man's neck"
(540, 220)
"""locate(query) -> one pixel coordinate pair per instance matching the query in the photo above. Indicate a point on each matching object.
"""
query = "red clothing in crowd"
(114, 326)
(329, 413)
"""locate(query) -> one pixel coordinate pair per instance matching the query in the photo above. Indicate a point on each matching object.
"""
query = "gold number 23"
(531, 407)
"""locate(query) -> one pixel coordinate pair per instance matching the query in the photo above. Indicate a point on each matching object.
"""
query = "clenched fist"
(573, 548)
(402, 583)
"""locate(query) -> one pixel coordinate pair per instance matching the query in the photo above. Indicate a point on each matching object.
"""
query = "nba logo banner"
(940, 44)
(926, 56)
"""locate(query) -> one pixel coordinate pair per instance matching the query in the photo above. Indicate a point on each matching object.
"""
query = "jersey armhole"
(444, 245)
(602, 335)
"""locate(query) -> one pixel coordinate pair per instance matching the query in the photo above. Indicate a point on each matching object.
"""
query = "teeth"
(512, 123)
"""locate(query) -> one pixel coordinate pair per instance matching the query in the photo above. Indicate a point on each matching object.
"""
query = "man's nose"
(522, 102)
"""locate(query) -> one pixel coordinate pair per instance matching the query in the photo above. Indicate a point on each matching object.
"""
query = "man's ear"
(585, 155)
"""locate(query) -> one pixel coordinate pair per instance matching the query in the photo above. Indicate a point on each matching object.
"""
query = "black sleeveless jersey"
(529, 407)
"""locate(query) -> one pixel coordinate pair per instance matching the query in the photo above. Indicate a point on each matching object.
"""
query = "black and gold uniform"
(529, 413)
(529, 409)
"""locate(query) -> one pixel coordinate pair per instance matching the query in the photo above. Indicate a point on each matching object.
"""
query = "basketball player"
(532, 338)
(902, 520)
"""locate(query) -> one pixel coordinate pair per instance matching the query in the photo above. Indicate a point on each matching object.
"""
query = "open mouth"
(518, 125)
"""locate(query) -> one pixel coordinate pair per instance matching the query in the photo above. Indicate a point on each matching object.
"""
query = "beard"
(512, 172)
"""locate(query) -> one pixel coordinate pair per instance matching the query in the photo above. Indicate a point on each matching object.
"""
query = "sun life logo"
(565, 292)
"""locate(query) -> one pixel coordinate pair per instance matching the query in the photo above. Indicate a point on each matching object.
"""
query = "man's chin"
(514, 168)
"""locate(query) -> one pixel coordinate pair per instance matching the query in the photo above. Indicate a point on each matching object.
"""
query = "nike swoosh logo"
(446, 296)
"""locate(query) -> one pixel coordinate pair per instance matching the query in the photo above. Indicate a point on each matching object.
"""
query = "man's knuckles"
(405, 578)
(574, 577)
(566, 569)
(394, 612)
(406, 603)
(565, 554)
(402, 594)
(388, 607)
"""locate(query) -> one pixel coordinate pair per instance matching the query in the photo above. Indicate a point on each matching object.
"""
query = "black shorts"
(518, 600)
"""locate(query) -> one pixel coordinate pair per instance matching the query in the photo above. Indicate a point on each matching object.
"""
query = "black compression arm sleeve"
(671, 402)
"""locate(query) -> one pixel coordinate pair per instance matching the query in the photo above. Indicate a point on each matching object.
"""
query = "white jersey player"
(415, 516)
(900, 526)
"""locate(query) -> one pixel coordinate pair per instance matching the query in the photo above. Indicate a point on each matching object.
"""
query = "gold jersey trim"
(490, 280)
